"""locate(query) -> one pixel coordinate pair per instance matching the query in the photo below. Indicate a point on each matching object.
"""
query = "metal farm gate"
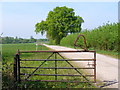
(18, 61)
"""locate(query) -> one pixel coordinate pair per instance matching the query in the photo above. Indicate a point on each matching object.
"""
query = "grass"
(113, 54)
(109, 53)
(8, 52)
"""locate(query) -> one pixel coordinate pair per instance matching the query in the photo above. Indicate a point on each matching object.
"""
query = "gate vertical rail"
(95, 67)
(56, 66)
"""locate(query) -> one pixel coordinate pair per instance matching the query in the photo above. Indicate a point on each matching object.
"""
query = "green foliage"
(59, 23)
(104, 38)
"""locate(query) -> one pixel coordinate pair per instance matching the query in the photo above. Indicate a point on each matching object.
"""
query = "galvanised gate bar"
(18, 67)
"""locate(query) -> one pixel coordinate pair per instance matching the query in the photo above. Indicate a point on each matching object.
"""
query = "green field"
(8, 52)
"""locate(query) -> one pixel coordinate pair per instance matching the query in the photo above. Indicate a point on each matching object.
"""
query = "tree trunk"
(57, 41)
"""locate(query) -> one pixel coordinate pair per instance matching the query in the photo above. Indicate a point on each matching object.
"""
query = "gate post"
(18, 67)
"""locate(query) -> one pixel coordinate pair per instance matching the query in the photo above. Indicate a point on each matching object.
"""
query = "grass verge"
(108, 53)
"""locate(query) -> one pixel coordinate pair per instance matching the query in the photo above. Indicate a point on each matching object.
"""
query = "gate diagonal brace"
(38, 67)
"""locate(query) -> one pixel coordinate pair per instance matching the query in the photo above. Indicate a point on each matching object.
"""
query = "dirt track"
(107, 67)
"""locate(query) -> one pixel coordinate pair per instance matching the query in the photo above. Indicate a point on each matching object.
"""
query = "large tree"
(59, 23)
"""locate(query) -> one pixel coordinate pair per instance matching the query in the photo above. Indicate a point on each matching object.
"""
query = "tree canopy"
(59, 23)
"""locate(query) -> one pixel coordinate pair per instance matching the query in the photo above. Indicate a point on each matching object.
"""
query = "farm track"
(107, 67)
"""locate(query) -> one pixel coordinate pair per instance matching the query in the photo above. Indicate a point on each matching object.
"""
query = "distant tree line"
(12, 40)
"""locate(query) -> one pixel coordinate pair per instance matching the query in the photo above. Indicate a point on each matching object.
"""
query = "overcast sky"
(19, 18)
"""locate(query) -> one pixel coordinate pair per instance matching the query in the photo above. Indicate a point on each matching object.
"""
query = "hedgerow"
(104, 37)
